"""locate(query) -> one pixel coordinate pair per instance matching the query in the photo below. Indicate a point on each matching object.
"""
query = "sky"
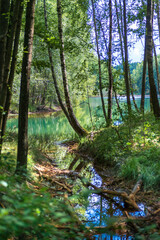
(136, 53)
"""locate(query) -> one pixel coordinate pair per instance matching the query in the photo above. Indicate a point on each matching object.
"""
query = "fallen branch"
(62, 185)
(128, 199)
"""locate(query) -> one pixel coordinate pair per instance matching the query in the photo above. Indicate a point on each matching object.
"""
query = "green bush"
(33, 213)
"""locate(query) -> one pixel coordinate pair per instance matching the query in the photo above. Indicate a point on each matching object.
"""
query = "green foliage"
(33, 214)
(135, 153)
(145, 165)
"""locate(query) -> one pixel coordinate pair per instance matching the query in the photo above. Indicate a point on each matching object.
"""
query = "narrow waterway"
(93, 209)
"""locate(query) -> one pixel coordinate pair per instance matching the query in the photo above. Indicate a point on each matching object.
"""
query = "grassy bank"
(132, 148)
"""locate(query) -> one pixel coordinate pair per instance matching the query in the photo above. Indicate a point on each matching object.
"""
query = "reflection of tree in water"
(81, 165)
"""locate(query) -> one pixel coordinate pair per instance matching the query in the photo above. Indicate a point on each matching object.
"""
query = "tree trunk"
(120, 32)
(149, 30)
(144, 77)
(158, 17)
(110, 90)
(22, 151)
(4, 10)
(75, 124)
(122, 53)
(9, 45)
(126, 72)
(157, 69)
(118, 106)
(12, 71)
(99, 64)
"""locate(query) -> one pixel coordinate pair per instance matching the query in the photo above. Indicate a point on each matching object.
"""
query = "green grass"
(134, 152)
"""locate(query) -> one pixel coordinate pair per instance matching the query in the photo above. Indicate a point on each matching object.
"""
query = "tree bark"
(126, 72)
(149, 29)
(157, 69)
(144, 77)
(4, 10)
(53, 71)
(99, 64)
(158, 17)
(22, 151)
(75, 124)
(110, 89)
(11, 74)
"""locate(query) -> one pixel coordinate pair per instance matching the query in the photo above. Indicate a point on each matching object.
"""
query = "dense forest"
(79, 120)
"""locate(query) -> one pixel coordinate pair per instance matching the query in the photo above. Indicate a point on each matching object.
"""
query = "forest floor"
(131, 193)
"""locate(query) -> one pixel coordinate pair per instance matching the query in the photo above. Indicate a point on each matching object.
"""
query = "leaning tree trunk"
(126, 72)
(149, 30)
(11, 73)
(54, 75)
(99, 64)
(22, 151)
(75, 124)
(110, 89)
(53, 71)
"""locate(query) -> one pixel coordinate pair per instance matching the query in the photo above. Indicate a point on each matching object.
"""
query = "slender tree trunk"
(12, 71)
(158, 17)
(53, 71)
(131, 88)
(149, 30)
(144, 77)
(9, 45)
(122, 53)
(24, 90)
(126, 72)
(54, 77)
(4, 10)
(99, 64)
(75, 124)
(118, 106)
(110, 89)
(121, 16)
(120, 32)
(157, 69)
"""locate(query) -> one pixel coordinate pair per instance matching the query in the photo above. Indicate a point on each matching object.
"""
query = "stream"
(92, 208)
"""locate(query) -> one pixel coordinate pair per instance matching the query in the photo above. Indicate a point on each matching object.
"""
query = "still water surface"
(58, 126)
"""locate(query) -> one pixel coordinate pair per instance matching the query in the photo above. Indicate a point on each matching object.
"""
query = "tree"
(126, 64)
(68, 111)
(149, 46)
(4, 22)
(75, 124)
(110, 89)
(144, 77)
(22, 151)
(99, 62)
(12, 71)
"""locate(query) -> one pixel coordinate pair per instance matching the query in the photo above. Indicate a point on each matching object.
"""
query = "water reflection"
(99, 211)
(56, 124)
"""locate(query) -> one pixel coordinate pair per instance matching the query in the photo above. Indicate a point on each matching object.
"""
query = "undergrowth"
(133, 148)
(28, 210)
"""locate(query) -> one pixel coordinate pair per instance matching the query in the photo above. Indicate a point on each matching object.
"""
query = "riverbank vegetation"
(92, 167)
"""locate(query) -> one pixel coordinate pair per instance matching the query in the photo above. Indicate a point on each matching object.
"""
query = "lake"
(58, 126)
